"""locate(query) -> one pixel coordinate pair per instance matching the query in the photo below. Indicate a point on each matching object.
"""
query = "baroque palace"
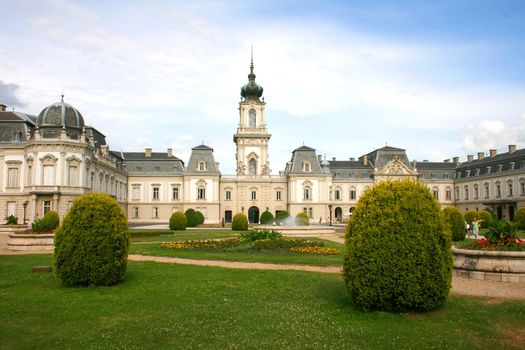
(49, 159)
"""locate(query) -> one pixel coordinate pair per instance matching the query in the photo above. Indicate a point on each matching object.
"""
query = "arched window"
(487, 190)
(476, 191)
(252, 166)
(435, 192)
(338, 194)
(201, 166)
(457, 193)
(498, 189)
(353, 193)
(510, 189)
(16, 136)
(522, 187)
(252, 118)
(201, 189)
(448, 194)
(307, 167)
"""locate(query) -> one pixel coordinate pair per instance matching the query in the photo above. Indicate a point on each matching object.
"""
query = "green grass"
(279, 256)
(181, 235)
(162, 306)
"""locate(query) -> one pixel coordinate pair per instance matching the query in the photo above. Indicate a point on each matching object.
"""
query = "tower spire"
(251, 61)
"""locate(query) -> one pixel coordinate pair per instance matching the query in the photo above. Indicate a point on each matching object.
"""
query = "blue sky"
(438, 78)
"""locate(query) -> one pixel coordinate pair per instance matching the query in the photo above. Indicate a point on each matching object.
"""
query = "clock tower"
(252, 135)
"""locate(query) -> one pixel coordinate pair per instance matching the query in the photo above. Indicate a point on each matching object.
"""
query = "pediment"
(396, 167)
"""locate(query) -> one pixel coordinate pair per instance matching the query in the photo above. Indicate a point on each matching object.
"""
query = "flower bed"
(258, 241)
(505, 245)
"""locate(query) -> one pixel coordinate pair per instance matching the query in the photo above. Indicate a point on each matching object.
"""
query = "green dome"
(251, 91)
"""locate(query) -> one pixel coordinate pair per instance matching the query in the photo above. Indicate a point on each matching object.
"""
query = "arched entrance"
(253, 215)
(338, 214)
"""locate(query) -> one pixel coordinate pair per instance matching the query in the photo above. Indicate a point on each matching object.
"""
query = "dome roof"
(251, 91)
(60, 114)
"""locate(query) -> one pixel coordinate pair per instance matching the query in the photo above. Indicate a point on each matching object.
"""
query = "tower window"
(254, 195)
(253, 166)
(228, 195)
(201, 166)
(252, 118)
(307, 167)
(278, 195)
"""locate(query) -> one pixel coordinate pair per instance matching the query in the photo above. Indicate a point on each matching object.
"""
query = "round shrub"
(470, 216)
(520, 217)
(51, 220)
(91, 246)
(486, 218)
(266, 218)
(200, 217)
(453, 223)
(397, 255)
(240, 222)
(177, 221)
(302, 219)
(191, 218)
(492, 213)
(281, 216)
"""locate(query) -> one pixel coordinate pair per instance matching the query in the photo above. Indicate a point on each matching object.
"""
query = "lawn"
(162, 306)
(268, 256)
(162, 236)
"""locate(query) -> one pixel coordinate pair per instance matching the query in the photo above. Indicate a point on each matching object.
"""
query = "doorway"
(253, 215)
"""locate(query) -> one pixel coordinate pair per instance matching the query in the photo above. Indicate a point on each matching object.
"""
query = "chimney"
(512, 148)
(217, 166)
(425, 160)
(319, 158)
(352, 159)
(170, 152)
(493, 152)
(446, 161)
(365, 160)
(333, 158)
(455, 160)
(3, 107)
(470, 157)
(148, 152)
(481, 155)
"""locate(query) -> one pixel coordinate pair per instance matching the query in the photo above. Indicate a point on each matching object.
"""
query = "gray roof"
(158, 164)
(202, 153)
(301, 155)
(380, 157)
(350, 169)
(435, 166)
(16, 126)
(492, 165)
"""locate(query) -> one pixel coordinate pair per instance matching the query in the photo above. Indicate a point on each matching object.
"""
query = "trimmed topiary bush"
(91, 246)
(453, 223)
(486, 218)
(266, 218)
(281, 216)
(177, 221)
(200, 217)
(51, 220)
(191, 218)
(240, 222)
(302, 219)
(470, 216)
(397, 255)
(519, 217)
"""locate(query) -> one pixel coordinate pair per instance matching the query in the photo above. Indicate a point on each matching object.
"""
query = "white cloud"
(492, 134)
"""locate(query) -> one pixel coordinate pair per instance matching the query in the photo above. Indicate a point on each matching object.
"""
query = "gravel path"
(460, 286)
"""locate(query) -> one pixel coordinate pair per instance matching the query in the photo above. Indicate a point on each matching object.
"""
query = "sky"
(437, 78)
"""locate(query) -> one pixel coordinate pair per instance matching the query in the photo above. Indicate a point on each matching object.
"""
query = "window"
(446, 176)
(16, 136)
(252, 166)
(135, 192)
(457, 193)
(47, 206)
(135, 212)
(228, 195)
(487, 191)
(201, 193)
(353, 194)
(156, 193)
(252, 118)
(435, 193)
(476, 192)
(448, 194)
(510, 189)
(307, 167)
(92, 181)
(307, 193)
(310, 213)
(11, 208)
(433, 176)
(12, 176)
(522, 187)
(157, 169)
(155, 212)
(477, 172)
(138, 168)
(337, 194)
(201, 166)
(175, 193)
(72, 176)
(49, 175)
(498, 190)
(254, 195)
(29, 175)
(466, 192)
(278, 195)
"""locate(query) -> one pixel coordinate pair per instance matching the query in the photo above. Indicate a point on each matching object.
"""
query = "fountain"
(288, 227)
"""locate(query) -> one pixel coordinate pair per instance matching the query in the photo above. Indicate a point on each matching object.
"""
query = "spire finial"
(251, 61)
(62, 97)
